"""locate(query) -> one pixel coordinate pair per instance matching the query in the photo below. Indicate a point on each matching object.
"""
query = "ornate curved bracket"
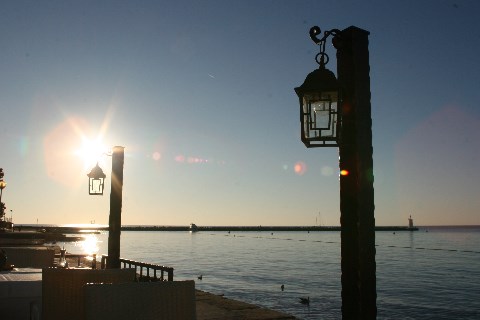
(322, 58)
(314, 32)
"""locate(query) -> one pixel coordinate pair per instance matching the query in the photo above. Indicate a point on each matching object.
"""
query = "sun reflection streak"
(90, 244)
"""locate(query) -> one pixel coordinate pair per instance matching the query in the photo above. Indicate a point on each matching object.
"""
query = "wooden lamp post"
(337, 113)
(96, 185)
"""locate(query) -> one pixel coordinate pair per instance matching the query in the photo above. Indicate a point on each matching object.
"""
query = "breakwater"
(86, 229)
(256, 228)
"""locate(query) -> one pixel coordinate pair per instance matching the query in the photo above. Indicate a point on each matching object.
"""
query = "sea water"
(433, 273)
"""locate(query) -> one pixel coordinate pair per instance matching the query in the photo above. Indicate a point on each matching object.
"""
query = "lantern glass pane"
(306, 122)
(320, 115)
(96, 186)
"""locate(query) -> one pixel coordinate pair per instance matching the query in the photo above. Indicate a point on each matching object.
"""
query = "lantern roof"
(319, 80)
(96, 173)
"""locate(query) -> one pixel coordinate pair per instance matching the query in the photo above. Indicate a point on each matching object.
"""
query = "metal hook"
(322, 58)
(314, 32)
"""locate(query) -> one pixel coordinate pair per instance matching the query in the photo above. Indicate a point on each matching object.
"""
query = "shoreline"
(210, 306)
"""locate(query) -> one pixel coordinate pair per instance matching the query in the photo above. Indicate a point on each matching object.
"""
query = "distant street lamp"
(96, 185)
(3, 185)
(337, 113)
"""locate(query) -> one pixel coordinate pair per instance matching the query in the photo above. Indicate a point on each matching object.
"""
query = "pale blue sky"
(201, 95)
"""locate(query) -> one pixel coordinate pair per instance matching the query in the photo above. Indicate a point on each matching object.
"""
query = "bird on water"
(200, 277)
(282, 287)
(305, 300)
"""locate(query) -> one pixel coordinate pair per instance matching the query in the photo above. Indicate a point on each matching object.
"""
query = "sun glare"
(90, 244)
(91, 152)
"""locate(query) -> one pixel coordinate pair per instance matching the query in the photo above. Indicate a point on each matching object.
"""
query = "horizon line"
(78, 225)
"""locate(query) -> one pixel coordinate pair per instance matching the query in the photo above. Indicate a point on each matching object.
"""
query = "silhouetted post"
(337, 113)
(115, 218)
(356, 186)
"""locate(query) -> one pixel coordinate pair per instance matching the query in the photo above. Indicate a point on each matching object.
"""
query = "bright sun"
(91, 151)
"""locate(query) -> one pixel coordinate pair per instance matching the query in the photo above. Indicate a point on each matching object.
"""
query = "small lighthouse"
(410, 222)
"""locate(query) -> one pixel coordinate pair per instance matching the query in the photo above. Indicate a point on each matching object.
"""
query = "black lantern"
(319, 98)
(96, 179)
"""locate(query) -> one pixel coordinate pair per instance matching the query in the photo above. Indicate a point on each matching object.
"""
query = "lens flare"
(61, 163)
(195, 160)
(180, 158)
(344, 172)
(156, 156)
(300, 168)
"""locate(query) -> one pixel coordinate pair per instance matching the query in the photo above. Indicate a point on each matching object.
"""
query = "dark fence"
(153, 272)
(145, 271)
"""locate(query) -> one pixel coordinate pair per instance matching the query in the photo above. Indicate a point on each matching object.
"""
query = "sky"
(201, 95)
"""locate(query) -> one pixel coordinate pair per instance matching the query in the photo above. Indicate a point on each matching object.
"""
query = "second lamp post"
(96, 186)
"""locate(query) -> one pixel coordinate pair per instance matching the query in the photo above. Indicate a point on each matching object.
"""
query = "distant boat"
(193, 227)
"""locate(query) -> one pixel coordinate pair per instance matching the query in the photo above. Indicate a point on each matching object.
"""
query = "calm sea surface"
(433, 273)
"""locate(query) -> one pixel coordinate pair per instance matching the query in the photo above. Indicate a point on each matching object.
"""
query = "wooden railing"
(150, 268)
(153, 272)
